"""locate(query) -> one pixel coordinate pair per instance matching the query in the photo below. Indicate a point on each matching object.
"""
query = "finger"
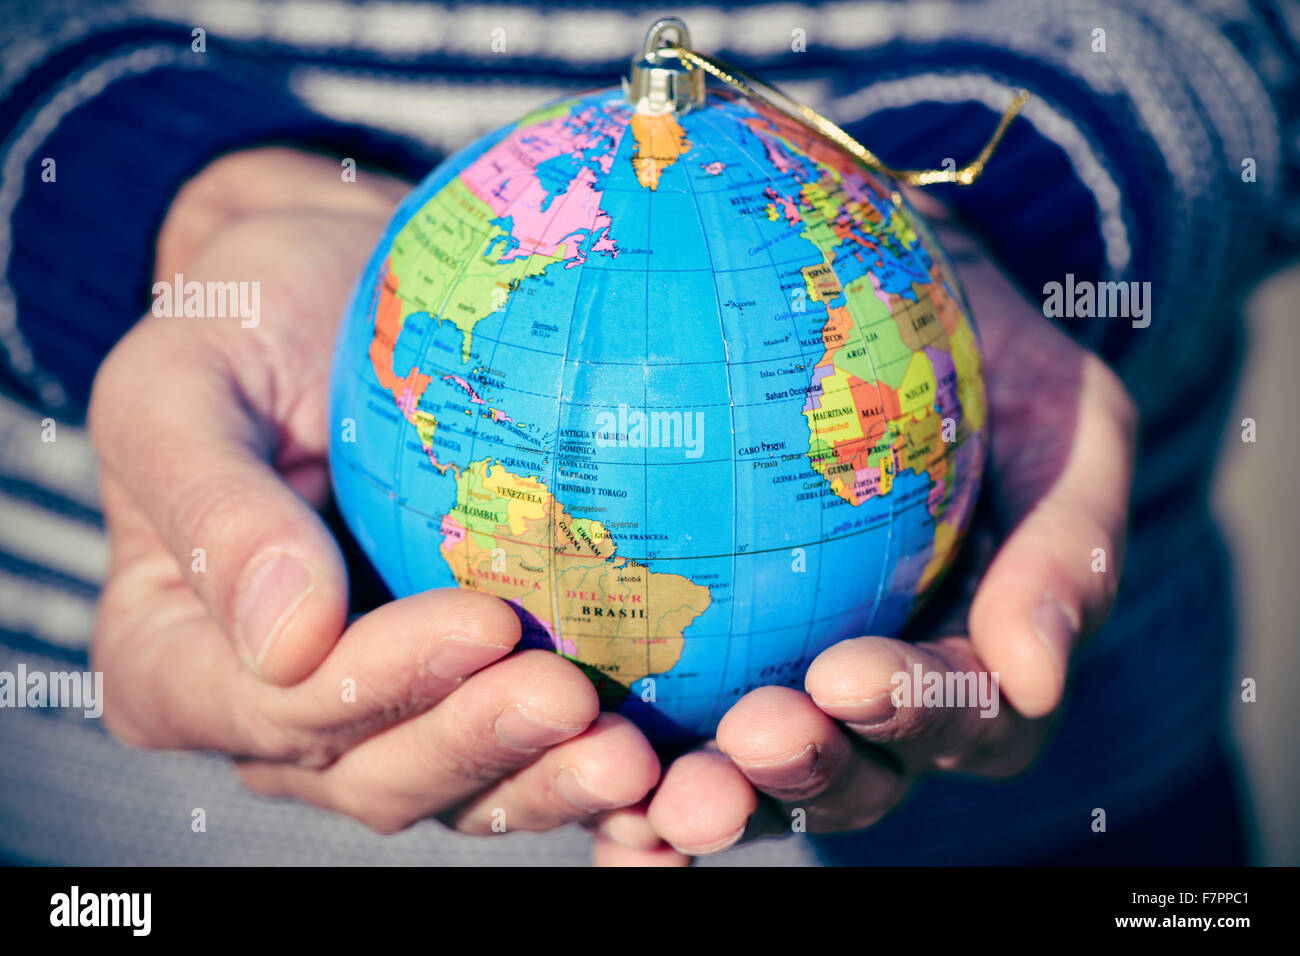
(497, 722)
(1055, 577)
(628, 827)
(793, 752)
(606, 852)
(703, 804)
(878, 686)
(174, 682)
(398, 661)
(609, 766)
(193, 450)
(236, 185)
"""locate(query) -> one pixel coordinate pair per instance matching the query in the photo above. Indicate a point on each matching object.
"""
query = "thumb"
(173, 425)
(1054, 579)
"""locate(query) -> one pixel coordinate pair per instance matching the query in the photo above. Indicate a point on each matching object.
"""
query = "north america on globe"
(694, 392)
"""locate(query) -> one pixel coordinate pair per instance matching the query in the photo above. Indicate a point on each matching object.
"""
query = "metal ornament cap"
(659, 82)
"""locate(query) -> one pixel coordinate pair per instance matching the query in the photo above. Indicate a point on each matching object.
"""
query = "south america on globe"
(674, 375)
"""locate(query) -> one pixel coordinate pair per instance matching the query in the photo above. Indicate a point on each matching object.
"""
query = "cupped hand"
(1028, 587)
(223, 626)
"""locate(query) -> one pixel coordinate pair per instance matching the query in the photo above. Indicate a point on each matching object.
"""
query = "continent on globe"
(506, 534)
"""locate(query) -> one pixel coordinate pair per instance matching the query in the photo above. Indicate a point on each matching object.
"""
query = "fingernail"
(454, 657)
(708, 849)
(861, 714)
(570, 786)
(783, 773)
(1057, 627)
(271, 595)
(522, 729)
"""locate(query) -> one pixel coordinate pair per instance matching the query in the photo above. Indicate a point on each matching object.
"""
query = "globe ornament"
(674, 373)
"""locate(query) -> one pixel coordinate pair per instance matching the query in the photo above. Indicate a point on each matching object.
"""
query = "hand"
(222, 624)
(1022, 596)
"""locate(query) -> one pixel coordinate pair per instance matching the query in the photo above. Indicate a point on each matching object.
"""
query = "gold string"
(765, 92)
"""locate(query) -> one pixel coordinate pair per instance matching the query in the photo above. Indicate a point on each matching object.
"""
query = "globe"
(695, 392)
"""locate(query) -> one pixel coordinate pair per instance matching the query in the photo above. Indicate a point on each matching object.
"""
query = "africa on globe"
(674, 375)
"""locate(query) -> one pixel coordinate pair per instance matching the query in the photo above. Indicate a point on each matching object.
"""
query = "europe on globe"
(679, 379)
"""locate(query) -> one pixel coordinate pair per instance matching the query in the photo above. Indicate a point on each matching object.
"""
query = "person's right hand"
(222, 624)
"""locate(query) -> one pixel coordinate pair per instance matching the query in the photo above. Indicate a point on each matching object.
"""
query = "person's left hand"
(1021, 597)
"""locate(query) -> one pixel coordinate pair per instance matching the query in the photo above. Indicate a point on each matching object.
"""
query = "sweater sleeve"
(95, 160)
